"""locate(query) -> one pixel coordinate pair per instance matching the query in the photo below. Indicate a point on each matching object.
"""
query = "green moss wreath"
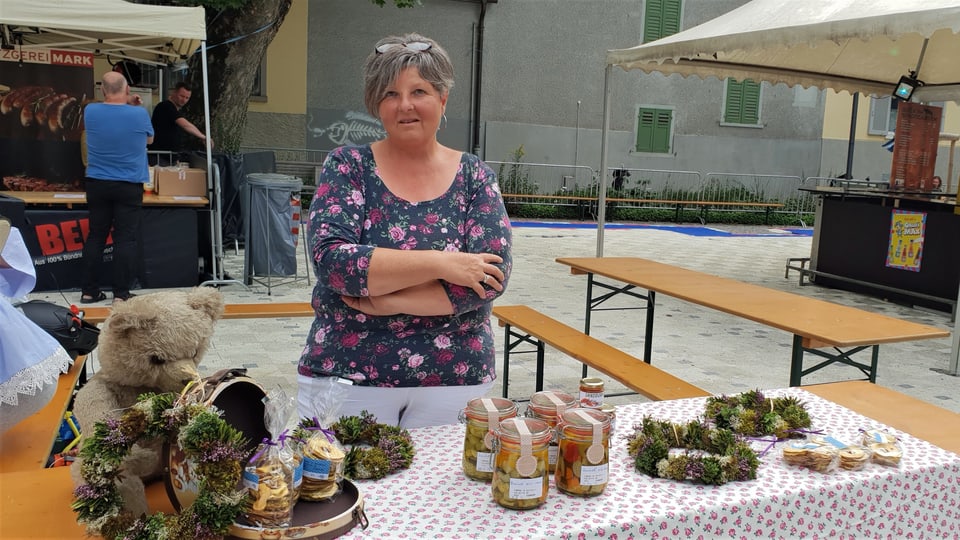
(754, 415)
(713, 455)
(215, 446)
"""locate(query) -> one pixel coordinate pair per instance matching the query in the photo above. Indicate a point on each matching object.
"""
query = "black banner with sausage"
(42, 94)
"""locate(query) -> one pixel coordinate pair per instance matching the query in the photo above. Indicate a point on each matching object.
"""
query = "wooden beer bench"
(827, 330)
(266, 310)
(34, 500)
(523, 324)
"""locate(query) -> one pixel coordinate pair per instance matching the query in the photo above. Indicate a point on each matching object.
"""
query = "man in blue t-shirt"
(118, 133)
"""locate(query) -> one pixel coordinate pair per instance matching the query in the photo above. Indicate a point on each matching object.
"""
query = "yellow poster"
(906, 240)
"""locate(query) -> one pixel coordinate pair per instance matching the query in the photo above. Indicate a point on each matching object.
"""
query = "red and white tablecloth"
(920, 499)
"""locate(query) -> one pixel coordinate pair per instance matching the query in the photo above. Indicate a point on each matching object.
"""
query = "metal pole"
(955, 348)
(602, 181)
(853, 133)
(576, 148)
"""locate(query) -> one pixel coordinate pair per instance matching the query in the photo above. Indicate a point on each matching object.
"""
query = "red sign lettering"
(48, 235)
(71, 58)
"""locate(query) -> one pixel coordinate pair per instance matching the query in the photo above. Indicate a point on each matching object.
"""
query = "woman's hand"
(473, 270)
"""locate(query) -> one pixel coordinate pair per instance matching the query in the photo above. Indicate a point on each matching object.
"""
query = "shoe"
(89, 299)
(122, 298)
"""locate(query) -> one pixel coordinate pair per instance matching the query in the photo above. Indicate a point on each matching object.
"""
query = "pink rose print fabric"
(353, 212)
(918, 499)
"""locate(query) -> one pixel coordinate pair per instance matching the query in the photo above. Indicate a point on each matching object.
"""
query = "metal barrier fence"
(627, 187)
(291, 154)
(545, 179)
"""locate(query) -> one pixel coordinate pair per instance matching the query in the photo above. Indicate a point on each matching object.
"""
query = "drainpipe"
(477, 70)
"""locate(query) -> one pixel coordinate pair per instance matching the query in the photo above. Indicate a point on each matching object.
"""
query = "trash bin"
(272, 223)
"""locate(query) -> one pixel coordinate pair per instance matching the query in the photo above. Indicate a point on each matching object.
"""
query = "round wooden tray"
(317, 520)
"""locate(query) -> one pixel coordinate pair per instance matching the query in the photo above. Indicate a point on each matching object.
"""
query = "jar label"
(593, 475)
(552, 453)
(526, 488)
(591, 400)
(318, 469)
(485, 462)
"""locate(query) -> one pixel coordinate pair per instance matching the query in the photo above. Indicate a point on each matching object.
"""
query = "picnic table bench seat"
(524, 324)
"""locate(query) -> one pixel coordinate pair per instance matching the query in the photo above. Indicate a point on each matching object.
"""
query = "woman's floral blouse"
(352, 212)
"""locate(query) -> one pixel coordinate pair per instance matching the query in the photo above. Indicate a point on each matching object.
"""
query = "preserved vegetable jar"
(520, 475)
(612, 413)
(591, 392)
(482, 417)
(548, 406)
(582, 466)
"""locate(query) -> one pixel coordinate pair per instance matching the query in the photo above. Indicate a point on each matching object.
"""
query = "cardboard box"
(180, 182)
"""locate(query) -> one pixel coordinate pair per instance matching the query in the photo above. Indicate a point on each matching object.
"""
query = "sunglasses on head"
(415, 46)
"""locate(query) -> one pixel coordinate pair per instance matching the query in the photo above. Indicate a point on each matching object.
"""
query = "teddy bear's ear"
(207, 299)
(125, 321)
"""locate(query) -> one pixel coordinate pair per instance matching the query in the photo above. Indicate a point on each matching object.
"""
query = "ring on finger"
(486, 278)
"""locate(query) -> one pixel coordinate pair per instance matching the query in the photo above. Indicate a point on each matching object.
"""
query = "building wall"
(279, 120)
(870, 159)
(543, 84)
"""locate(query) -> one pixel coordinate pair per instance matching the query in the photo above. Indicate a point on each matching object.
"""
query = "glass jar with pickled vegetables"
(520, 475)
(482, 417)
(582, 465)
(548, 406)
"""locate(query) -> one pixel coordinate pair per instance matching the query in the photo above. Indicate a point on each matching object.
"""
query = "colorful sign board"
(907, 231)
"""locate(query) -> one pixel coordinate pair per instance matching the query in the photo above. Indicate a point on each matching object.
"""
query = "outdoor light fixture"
(906, 86)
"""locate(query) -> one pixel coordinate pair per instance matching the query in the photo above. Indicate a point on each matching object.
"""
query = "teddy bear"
(149, 343)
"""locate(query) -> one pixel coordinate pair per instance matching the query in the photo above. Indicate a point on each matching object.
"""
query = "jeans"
(119, 205)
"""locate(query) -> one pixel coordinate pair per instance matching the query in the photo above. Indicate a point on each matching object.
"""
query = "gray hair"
(380, 70)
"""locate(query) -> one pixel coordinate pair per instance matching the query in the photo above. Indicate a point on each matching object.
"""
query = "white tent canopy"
(114, 28)
(852, 45)
(157, 35)
(847, 45)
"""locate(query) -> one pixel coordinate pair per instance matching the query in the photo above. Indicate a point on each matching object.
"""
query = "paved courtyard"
(718, 352)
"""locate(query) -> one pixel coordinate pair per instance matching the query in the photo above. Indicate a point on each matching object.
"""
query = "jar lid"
(592, 383)
(547, 403)
(583, 421)
(483, 409)
(608, 408)
(511, 428)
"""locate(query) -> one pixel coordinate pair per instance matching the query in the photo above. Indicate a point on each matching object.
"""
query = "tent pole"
(853, 133)
(602, 181)
(216, 225)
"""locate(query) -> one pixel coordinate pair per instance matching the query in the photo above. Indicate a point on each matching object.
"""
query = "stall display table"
(54, 226)
(851, 240)
(433, 499)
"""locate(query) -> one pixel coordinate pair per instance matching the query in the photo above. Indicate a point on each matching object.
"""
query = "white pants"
(413, 407)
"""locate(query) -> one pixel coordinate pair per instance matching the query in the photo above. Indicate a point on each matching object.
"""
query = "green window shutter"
(653, 130)
(742, 105)
(661, 18)
(646, 119)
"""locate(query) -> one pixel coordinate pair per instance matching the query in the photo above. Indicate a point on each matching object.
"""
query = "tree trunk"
(237, 40)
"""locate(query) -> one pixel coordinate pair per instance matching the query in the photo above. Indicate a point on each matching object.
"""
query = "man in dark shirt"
(167, 123)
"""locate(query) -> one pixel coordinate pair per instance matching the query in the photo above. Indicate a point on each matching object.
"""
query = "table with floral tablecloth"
(919, 499)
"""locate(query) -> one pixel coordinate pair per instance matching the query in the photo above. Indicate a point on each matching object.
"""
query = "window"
(258, 92)
(661, 18)
(654, 127)
(742, 103)
(883, 115)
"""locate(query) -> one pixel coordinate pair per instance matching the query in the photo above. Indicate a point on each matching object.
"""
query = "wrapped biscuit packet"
(272, 476)
(323, 455)
(884, 447)
(811, 455)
